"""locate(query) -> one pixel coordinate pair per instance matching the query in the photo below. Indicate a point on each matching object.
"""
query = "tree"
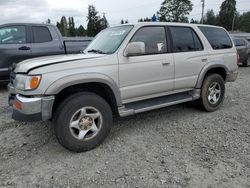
(144, 20)
(210, 18)
(244, 23)
(175, 10)
(194, 21)
(94, 21)
(124, 22)
(81, 32)
(227, 14)
(48, 21)
(63, 26)
(104, 22)
(71, 27)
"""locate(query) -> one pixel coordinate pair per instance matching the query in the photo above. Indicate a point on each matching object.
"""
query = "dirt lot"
(178, 146)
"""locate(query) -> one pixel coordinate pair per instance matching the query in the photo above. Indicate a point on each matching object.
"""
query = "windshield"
(109, 40)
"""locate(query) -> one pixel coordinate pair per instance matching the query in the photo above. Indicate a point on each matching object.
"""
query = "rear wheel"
(212, 93)
(82, 122)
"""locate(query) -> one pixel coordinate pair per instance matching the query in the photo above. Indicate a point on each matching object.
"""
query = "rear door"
(45, 41)
(189, 56)
(14, 46)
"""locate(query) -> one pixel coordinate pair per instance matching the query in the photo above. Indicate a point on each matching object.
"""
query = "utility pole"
(233, 22)
(202, 14)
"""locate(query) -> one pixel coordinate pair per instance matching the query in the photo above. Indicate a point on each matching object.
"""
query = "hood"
(30, 64)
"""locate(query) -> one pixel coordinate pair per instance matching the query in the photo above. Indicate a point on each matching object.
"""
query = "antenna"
(202, 14)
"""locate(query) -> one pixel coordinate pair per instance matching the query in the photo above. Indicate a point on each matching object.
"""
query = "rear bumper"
(26, 108)
(232, 76)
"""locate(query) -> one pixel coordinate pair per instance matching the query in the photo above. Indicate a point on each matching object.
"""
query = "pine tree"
(63, 26)
(71, 27)
(210, 18)
(94, 21)
(104, 22)
(81, 32)
(227, 13)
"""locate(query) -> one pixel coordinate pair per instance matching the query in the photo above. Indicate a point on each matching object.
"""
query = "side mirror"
(135, 49)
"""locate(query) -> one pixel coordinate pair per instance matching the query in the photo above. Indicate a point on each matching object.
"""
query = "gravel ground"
(178, 146)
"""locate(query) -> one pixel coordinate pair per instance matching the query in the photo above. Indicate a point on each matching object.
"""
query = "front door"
(150, 74)
(14, 47)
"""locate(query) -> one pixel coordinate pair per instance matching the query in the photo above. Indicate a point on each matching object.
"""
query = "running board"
(159, 102)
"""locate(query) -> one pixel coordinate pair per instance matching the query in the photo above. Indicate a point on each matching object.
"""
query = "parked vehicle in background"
(236, 34)
(243, 48)
(23, 41)
(125, 70)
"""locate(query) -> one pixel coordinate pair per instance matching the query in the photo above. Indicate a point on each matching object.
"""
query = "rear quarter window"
(217, 37)
(41, 34)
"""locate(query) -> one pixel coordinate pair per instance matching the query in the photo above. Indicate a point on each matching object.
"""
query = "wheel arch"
(222, 70)
(95, 83)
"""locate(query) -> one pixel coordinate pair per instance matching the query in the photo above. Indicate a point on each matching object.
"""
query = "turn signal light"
(34, 82)
(17, 105)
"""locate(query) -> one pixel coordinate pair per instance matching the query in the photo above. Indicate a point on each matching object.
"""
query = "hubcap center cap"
(85, 123)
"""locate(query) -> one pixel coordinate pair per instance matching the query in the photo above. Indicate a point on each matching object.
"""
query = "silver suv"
(126, 70)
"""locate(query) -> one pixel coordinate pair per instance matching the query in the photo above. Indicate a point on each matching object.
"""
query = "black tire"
(66, 111)
(247, 62)
(204, 102)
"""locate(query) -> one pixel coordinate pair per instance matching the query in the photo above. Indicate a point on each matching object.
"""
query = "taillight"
(238, 59)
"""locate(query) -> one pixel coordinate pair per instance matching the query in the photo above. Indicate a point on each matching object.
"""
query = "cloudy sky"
(40, 10)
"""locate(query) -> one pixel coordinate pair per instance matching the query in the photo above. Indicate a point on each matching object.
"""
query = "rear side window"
(217, 37)
(13, 35)
(185, 39)
(41, 34)
(154, 39)
(239, 42)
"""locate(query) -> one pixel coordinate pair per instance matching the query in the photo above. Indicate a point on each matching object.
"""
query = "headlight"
(26, 82)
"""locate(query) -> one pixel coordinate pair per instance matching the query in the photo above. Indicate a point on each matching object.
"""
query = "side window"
(154, 39)
(13, 35)
(41, 34)
(185, 39)
(217, 37)
(239, 42)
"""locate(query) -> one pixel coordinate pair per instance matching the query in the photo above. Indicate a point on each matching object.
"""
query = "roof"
(26, 24)
(170, 23)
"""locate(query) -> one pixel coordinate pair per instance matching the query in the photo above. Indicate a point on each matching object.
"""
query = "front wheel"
(82, 122)
(212, 93)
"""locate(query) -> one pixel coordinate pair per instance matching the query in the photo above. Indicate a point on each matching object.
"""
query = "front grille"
(12, 77)
(12, 73)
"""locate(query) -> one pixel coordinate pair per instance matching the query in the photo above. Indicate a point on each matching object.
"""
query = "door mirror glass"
(135, 49)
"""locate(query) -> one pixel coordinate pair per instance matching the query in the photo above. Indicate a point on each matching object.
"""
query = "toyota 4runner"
(126, 70)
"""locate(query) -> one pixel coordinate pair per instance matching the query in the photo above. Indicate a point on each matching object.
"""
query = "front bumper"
(27, 108)
(232, 76)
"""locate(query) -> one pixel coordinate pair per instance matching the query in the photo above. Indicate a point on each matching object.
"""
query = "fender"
(206, 68)
(64, 82)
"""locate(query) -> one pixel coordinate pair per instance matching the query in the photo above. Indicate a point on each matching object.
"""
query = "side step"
(155, 103)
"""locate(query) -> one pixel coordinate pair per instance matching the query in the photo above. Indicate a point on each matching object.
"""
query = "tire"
(247, 62)
(212, 84)
(82, 121)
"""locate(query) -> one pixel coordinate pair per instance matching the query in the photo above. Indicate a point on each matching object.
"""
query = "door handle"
(165, 63)
(204, 60)
(24, 48)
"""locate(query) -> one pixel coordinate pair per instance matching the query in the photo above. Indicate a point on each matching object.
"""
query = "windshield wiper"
(96, 51)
